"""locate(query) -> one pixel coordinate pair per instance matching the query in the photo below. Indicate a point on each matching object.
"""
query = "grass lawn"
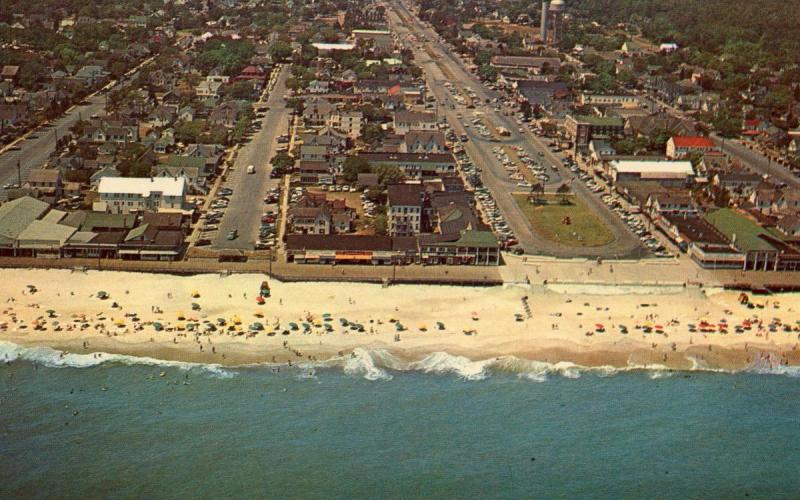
(584, 230)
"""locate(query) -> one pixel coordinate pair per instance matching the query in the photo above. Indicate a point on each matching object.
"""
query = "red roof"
(693, 142)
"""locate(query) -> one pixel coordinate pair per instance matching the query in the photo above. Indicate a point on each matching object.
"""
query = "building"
(405, 121)
(423, 141)
(45, 182)
(142, 194)
(415, 165)
(584, 128)
(347, 122)
(621, 101)
(762, 252)
(381, 40)
(15, 216)
(533, 64)
(404, 209)
(666, 173)
(680, 146)
(314, 172)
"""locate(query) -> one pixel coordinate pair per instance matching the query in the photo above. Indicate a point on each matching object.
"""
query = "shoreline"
(480, 324)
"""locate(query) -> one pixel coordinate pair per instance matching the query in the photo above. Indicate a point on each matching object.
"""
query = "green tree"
(389, 174)
(280, 51)
(381, 225)
(353, 166)
(282, 163)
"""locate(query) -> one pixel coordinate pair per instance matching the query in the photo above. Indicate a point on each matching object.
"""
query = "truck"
(251, 169)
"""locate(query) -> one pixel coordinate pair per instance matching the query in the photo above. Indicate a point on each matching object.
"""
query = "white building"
(142, 194)
(347, 122)
(675, 173)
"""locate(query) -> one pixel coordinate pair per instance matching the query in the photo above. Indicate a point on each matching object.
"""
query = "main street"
(446, 67)
(246, 204)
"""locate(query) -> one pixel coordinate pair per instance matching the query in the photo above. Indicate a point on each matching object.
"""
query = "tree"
(526, 109)
(537, 190)
(280, 51)
(381, 225)
(389, 174)
(353, 166)
(240, 90)
(282, 163)
(487, 72)
(564, 190)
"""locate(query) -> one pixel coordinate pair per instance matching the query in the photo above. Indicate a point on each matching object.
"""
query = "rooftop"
(653, 167)
(142, 186)
(744, 233)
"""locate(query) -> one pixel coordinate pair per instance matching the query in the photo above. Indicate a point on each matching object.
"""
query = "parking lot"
(245, 208)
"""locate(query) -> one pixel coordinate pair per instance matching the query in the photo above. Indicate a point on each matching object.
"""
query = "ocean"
(365, 426)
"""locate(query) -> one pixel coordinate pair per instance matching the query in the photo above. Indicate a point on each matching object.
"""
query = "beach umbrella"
(102, 295)
(181, 316)
(294, 326)
(195, 294)
(158, 326)
(440, 325)
(195, 306)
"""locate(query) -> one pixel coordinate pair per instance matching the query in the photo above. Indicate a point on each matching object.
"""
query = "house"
(423, 141)
(12, 114)
(91, 76)
(160, 236)
(162, 116)
(790, 225)
(415, 165)
(584, 128)
(310, 220)
(319, 87)
(789, 201)
(737, 183)
(600, 149)
(186, 114)
(649, 125)
(142, 194)
(225, 115)
(317, 112)
(764, 199)
(754, 127)
(405, 121)
(681, 146)
(314, 172)
(194, 180)
(314, 153)
(347, 122)
(671, 203)
(45, 182)
(404, 209)
(9, 73)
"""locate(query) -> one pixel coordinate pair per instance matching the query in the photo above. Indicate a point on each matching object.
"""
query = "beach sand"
(555, 331)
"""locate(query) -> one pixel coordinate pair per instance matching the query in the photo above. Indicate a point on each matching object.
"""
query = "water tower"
(556, 20)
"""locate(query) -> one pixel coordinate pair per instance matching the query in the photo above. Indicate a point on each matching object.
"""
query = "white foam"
(363, 363)
(54, 358)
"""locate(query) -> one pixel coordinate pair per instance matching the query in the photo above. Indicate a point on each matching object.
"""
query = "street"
(758, 162)
(246, 204)
(479, 149)
(34, 152)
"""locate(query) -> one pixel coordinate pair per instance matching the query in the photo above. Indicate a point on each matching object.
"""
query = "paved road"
(34, 152)
(246, 204)
(758, 162)
(494, 175)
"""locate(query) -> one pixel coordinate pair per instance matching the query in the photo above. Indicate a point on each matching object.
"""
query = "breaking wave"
(379, 364)
(53, 358)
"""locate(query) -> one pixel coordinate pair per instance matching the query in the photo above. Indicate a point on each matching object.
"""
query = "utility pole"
(19, 174)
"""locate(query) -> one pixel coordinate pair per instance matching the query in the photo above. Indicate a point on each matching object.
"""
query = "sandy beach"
(591, 326)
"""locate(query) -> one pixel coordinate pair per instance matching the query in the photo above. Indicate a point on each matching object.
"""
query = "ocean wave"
(380, 364)
(53, 358)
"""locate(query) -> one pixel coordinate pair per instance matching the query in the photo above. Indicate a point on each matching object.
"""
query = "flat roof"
(334, 46)
(142, 186)
(653, 167)
(744, 233)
